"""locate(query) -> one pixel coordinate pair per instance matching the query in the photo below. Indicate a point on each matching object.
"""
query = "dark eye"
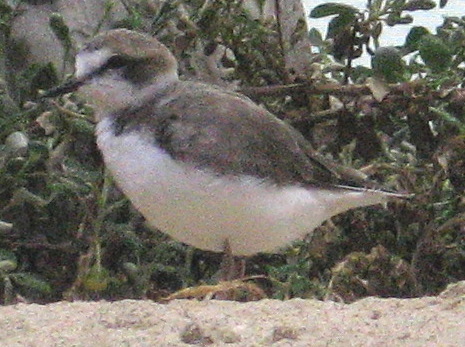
(116, 62)
(113, 63)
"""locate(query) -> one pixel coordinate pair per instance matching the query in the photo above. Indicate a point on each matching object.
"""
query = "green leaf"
(5, 9)
(43, 76)
(398, 4)
(376, 5)
(81, 126)
(360, 73)
(407, 19)
(7, 255)
(416, 5)
(448, 117)
(393, 18)
(8, 266)
(435, 53)
(315, 37)
(413, 38)
(61, 30)
(333, 8)
(339, 24)
(387, 63)
(30, 282)
(458, 37)
(377, 30)
(97, 279)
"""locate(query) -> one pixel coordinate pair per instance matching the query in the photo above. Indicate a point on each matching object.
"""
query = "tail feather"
(380, 191)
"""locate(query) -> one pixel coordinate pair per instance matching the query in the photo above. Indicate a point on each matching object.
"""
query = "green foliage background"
(66, 232)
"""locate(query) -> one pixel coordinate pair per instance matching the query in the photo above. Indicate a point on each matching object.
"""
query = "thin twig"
(281, 40)
(330, 89)
(71, 113)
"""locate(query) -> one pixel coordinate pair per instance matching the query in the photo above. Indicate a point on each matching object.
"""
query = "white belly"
(203, 210)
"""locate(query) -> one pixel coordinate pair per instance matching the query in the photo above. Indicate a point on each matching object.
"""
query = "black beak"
(68, 87)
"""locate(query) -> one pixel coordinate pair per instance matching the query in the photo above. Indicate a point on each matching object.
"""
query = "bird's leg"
(231, 267)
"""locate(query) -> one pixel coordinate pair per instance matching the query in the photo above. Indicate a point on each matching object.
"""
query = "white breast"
(203, 210)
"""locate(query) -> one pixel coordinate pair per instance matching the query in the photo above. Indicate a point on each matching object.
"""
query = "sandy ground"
(428, 321)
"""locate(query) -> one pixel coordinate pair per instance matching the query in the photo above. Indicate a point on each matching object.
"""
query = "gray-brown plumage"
(217, 122)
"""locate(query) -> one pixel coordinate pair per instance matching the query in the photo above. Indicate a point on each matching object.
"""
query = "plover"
(205, 165)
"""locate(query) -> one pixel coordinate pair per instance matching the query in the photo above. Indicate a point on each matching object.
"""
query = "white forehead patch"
(87, 62)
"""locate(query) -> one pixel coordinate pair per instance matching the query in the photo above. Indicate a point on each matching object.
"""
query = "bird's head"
(118, 68)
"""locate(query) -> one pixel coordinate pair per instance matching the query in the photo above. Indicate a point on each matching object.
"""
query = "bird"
(205, 165)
